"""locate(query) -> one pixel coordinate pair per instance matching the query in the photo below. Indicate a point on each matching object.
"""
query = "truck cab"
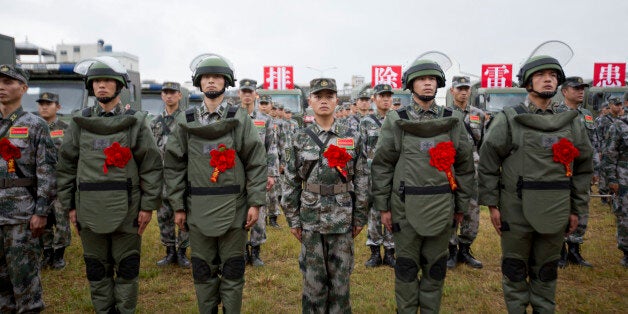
(493, 100)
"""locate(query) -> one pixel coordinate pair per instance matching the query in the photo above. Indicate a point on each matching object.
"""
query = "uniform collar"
(334, 128)
(433, 108)
(17, 112)
(219, 110)
(536, 110)
(100, 112)
(174, 113)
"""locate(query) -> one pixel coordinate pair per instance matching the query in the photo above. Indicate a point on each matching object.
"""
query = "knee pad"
(94, 269)
(438, 270)
(549, 271)
(406, 270)
(514, 269)
(201, 272)
(233, 268)
(129, 267)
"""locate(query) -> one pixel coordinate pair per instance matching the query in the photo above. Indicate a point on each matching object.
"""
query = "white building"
(72, 53)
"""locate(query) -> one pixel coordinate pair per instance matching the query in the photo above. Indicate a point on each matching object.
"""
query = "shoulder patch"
(56, 133)
(259, 123)
(18, 132)
(347, 143)
(474, 118)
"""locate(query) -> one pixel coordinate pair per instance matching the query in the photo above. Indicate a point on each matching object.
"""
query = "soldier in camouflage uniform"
(417, 201)
(532, 198)
(27, 189)
(396, 104)
(573, 94)
(615, 161)
(268, 136)
(474, 119)
(57, 235)
(215, 168)
(161, 127)
(110, 180)
(363, 103)
(370, 127)
(614, 108)
(278, 124)
(325, 207)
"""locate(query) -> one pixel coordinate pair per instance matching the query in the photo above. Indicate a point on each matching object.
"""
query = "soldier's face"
(212, 82)
(247, 96)
(273, 112)
(323, 103)
(48, 109)
(288, 115)
(264, 107)
(104, 87)
(383, 101)
(544, 81)
(363, 104)
(425, 85)
(616, 108)
(11, 90)
(461, 94)
(354, 108)
(171, 97)
(574, 94)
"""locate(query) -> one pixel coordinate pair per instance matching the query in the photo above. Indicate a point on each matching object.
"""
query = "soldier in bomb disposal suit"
(27, 188)
(57, 235)
(161, 127)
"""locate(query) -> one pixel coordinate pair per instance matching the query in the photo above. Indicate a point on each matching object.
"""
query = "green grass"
(276, 288)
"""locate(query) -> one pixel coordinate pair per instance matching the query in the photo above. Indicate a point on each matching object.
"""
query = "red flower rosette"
(442, 157)
(222, 159)
(337, 157)
(565, 152)
(117, 156)
(9, 153)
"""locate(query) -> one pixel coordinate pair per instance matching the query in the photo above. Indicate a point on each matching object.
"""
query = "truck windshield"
(497, 102)
(152, 104)
(289, 101)
(71, 95)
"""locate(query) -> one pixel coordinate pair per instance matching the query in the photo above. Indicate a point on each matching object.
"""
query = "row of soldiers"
(221, 162)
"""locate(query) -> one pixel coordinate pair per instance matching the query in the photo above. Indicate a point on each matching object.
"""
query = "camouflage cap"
(279, 106)
(171, 86)
(604, 105)
(287, 110)
(14, 72)
(459, 81)
(382, 89)
(613, 100)
(363, 94)
(248, 84)
(396, 100)
(48, 96)
(319, 84)
(265, 98)
(574, 81)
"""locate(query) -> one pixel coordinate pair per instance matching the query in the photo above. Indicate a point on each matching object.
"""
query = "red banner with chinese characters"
(609, 74)
(278, 77)
(496, 75)
(386, 74)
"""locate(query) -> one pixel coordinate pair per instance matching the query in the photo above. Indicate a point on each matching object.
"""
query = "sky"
(339, 38)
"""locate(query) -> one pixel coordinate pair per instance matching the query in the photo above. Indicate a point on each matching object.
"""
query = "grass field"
(276, 288)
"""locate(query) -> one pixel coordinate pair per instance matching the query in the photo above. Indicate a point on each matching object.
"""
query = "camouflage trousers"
(57, 235)
(326, 262)
(20, 282)
(258, 231)
(468, 227)
(377, 234)
(578, 235)
(165, 220)
(620, 209)
(272, 199)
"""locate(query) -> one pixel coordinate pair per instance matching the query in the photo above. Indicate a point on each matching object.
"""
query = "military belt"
(13, 183)
(108, 186)
(222, 190)
(427, 190)
(329, 189)
(542, 185)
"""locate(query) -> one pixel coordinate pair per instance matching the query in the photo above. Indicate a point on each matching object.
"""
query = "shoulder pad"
(130, 112)
(232, 111)
(189, 115)
(87, 112)
(447, 112)
(403, 114)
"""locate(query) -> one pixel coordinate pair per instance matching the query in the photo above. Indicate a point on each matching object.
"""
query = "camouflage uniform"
(57, 234)
(161, 127)
(272, 196)
(603, 126)
(353, 121)
(321, 205)
(370, 127)
(615, 161)
(20, 253)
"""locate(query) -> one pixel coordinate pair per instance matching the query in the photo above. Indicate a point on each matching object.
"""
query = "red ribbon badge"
(221, 159)
(565, 153)
(117, 156)
(442, 157)
(9, 153)
(337, 157)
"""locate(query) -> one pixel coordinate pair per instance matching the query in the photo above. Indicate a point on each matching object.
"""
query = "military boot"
(46, 259)
(255, 260)
(58, 262)
(376, 257)
(452, 260)
(273, 222)
(624, 261)
(574, 257)
(562, 262)
(389, 257)
(170, 258)
(465, 256)
(182, 260)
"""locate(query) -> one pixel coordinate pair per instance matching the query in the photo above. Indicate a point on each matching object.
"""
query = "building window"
(77, 49)
(63, 52)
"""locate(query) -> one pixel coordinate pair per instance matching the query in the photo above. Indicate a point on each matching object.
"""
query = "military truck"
(494, 100)
(595, 96)
(151, 99)
(294, 99)
(7, 50)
